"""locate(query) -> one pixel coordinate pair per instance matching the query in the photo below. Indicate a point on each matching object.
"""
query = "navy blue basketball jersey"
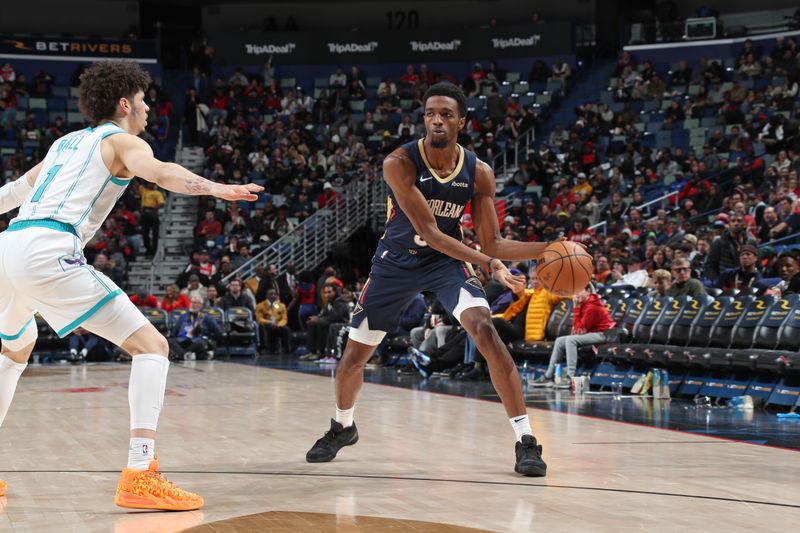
(447, 197)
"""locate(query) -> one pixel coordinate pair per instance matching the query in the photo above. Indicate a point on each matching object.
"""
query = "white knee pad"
(146, 390)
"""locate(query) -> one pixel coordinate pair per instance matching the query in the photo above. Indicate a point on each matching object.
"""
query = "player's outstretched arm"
(13, 194)
(137, 156)
(487, 228)
(400, 174)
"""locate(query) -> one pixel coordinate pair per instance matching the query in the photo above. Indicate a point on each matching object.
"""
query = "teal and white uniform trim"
(74, 186)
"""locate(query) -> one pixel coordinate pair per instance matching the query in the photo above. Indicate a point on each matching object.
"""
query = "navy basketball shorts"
(394, 281)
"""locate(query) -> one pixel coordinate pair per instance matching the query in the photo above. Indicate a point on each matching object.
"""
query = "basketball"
(565, 268)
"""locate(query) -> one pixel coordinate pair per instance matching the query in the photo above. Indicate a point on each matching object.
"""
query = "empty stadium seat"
(242, 332)
(157, 317)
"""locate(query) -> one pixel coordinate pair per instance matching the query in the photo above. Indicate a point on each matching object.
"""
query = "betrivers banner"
(242, 48)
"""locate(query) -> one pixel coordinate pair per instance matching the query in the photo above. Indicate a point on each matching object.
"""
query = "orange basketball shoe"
(149, 489)
(3, 487)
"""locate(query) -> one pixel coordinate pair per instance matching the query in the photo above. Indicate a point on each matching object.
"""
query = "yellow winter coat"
(266, 311)
(539, 305)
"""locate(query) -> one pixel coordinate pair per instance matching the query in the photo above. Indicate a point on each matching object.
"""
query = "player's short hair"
(105, 82)
(445, 88)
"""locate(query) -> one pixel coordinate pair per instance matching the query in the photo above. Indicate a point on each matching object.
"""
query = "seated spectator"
(82, 343)
(746, 274)
(236, 297)
(333, 312)
(661, 281)
(7, 74)
(207, 268)
(591, 325)
(539, 72)
(208, 230)
(562, 72)
(338, 78)
(635, 277)
(430, 336)
(194, 333)
(213, 299)
(144, 299)
(447, 356)
(242, 257)
(601, 269)
(387, 102)
(174, 299)
(273, 320)
(724, 252)
(789, 270)
(225, 268)
(684, 284)
(537, 304)
(195, 289)
(682, 75)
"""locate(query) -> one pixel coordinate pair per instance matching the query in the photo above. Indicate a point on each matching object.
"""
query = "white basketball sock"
(146, 390)
(345, 416)
(521, 425)
(10, 371)
(140, 452)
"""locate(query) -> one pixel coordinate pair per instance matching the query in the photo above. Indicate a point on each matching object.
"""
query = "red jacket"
(149, 301)
(181, 302)
(592, 316)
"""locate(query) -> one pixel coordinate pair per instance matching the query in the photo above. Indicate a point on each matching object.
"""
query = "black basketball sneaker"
(529, 457)
(336, 438)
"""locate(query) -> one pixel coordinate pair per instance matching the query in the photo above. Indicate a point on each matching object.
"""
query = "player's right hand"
(234, 193)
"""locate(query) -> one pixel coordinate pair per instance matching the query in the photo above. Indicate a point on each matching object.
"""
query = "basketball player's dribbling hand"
(579, 243)
(501, 273)
(234, 193)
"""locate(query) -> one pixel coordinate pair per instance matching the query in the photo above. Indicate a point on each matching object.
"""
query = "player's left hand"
(501, 273)
(233, 193)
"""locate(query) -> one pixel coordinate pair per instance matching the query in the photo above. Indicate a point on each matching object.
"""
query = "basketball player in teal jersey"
(431, 180)
(62, 202)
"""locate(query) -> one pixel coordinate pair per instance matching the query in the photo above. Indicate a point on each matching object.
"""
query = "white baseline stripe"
(77, 58)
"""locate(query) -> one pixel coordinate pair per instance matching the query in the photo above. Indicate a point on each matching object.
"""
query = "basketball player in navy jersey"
(431, 180)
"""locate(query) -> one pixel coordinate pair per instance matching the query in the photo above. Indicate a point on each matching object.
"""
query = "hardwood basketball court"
(238, 434)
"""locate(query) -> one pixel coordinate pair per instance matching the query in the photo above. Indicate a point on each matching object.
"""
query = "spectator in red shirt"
(327, 194)
(408, 80)
(580, 232)
(591, 325)
(143, 299)
(173, 299)
(208, 229)
(7, 73)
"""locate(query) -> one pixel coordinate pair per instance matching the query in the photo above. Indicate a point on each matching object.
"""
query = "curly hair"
(445, 88)
(104, 83)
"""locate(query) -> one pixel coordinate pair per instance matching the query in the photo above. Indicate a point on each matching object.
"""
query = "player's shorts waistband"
(48, 223)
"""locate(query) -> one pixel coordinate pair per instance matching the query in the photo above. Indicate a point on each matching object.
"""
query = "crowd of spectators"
(603, 180)
(600, 181)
